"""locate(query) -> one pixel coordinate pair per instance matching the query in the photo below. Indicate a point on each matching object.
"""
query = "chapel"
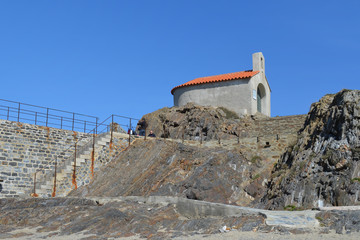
(246, 92)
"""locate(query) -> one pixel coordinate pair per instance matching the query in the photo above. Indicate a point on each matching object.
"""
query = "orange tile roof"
(218, 78)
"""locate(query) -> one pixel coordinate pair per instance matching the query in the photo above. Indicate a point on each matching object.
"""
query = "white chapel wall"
(234, 95)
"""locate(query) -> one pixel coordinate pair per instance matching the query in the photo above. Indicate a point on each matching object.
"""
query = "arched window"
(260, 98)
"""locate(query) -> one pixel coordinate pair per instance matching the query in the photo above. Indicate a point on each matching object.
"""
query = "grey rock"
(322, 168)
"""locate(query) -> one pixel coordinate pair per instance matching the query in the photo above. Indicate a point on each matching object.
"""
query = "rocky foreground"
(98, 218)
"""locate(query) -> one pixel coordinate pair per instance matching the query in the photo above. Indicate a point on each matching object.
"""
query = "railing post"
(84, 126)
(130, 123)
(34, 193)
(47, 116)
(74, 170)
(129, 137)
(111, 130)
(61, 120)
(54, 188)
(73, 122)
(18, 118)
(35, 183)
(8, 113)
(96, 126)
(145, 125)
(35, 118)
(93, 156)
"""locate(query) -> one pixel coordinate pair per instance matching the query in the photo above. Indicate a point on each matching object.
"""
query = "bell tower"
(258, 62)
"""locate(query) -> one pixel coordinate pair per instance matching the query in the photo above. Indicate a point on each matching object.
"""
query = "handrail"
(38, 115)
(31, 105)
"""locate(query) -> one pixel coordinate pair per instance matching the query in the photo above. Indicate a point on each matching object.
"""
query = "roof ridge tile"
(218, 78)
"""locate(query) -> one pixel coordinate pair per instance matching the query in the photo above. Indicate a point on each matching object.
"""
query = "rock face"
(193, 122)
(323, 167)
(340, 220)
(157, 167)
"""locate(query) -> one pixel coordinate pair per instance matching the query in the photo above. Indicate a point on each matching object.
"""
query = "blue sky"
(124, 57)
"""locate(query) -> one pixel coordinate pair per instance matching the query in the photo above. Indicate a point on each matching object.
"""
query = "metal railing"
(50, 117)
(119, 123)
(44, 116)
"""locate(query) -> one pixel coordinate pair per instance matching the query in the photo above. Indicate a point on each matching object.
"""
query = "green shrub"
(355, 179)
(256, 176)
(290, 208)
(254, 159)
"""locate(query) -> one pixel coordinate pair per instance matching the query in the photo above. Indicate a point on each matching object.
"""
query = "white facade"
(243, 96)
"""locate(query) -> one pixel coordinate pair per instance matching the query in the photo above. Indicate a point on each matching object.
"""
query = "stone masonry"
(269, 137)
(26, 148)
(267, 127)
(104, 153)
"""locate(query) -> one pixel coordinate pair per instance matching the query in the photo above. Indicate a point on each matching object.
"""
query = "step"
(60, 177)
(41, 192)
(106, 139)
(87, 152)
(65, 169)
(102, 143)
(47, 187)
(80, 160)
(69, 168)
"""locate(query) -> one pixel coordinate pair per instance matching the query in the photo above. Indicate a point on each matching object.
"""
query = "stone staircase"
(64, 175)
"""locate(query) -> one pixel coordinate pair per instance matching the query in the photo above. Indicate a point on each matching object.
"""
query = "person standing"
(143, 125)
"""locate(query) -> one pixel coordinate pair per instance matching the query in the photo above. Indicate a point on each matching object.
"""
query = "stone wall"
(26, 148)
(262, 138)
(271, 127)
(268, 137)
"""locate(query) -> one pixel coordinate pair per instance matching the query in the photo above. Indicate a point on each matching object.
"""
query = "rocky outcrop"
(323, 167)
(157, 167)
(193, 122)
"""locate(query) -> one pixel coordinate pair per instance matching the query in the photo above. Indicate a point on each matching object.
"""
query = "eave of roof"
(218, 78)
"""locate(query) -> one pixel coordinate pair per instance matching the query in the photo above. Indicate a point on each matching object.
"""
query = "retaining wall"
(271, 127)
(26, 148)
